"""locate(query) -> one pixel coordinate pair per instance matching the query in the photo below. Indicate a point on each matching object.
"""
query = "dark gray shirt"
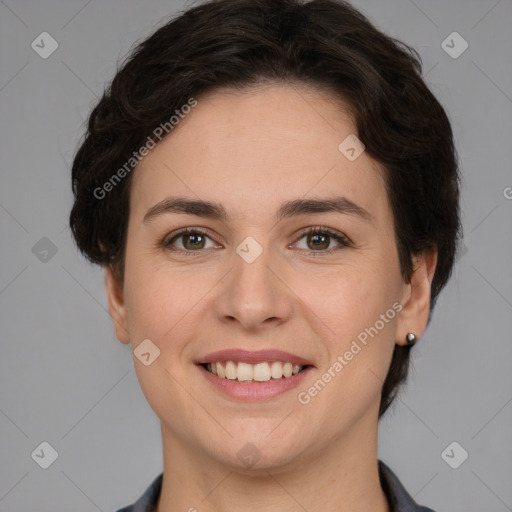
(398, 498)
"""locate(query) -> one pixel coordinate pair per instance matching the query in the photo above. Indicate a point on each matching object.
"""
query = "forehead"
(248, 148)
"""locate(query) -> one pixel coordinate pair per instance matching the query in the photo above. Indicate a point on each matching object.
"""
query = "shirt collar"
(398, 498)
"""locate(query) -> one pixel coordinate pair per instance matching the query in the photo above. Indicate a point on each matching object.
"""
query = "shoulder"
(399, 499)
(147, 502)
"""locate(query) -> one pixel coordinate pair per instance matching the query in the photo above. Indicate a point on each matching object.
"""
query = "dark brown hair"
(238, 43)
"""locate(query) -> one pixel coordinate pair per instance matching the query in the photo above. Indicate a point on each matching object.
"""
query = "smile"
(247, 372)
(252, 376)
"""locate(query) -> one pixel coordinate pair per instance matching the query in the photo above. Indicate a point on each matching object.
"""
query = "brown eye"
(188, 240)
(194, 241)
(318, 240)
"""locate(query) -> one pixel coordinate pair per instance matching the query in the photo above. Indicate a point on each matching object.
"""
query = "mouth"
(265, 371)
(253, 376)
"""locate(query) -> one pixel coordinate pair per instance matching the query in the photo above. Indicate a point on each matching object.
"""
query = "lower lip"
(254, 391)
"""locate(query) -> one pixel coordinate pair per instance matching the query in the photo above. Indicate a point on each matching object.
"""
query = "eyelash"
(322, 230)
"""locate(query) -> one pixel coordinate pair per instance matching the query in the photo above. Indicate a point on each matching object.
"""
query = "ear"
(416, 298)
(116, 306)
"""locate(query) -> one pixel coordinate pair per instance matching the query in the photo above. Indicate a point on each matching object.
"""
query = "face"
(271, 281)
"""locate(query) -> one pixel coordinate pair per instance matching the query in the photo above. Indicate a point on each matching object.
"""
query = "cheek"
(163, 302)
(360, 340)
(154, 303)
(360, 306)
(160, 307)
(354, 297)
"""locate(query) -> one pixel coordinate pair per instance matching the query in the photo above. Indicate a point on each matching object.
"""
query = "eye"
(193, 240)
(319, 238)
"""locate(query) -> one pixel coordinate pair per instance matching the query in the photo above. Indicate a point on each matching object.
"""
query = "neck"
(341, 477)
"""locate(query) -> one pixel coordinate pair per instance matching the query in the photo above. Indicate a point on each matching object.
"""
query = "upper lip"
(253, 357)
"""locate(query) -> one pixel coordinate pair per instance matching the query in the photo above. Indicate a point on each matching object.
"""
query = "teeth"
(261, 372)
(244, 372)
(231, 372)
(221, 372)
(276, 370)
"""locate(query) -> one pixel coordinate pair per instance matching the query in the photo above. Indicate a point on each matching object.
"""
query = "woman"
(273, 192)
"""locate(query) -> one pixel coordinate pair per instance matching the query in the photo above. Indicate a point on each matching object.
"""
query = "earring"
(411, 339)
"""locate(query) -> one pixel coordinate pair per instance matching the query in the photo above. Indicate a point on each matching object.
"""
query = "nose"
(254, 294)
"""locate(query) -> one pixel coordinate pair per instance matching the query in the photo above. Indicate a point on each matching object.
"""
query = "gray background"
(65, 379)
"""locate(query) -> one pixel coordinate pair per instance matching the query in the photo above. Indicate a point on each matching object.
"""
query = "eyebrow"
(288, 209)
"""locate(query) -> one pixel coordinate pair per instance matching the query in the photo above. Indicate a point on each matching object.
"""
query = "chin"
(258, 451)
(252, 460)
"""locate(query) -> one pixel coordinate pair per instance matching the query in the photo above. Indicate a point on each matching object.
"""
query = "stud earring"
(411, 339)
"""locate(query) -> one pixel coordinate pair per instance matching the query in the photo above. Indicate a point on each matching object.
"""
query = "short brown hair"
(238, 43)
